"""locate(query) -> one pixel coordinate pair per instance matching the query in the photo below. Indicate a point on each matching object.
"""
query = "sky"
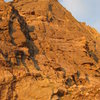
(8, 0)
(84, 11)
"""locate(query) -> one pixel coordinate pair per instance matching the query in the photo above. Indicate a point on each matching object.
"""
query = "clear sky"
(8, 0)
(85, 11)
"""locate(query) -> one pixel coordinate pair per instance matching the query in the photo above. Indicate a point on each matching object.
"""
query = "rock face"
(46, 54)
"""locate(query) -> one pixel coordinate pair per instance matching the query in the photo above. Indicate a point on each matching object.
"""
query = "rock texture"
(46, 54)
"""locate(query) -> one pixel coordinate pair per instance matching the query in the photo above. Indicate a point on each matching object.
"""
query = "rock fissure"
(65, 53)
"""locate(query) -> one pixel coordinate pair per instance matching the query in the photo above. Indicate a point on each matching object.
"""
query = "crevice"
(32, 49)
(88, 63)
(10, 26)
(1, 89)
(91, 53)
(20, 57)
(11, 89)
(5, 55)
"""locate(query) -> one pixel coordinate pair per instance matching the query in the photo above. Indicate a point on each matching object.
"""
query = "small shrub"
(31, 28)
(50, 7)
(87, 78)
(92, 54)
(78, 74)
(33, 13)
(69, 82)
(60, 93)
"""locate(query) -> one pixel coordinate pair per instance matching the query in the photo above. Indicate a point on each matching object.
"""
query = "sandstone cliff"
(46, 54)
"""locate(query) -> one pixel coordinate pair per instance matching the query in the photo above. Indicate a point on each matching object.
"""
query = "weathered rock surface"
(46, 54)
